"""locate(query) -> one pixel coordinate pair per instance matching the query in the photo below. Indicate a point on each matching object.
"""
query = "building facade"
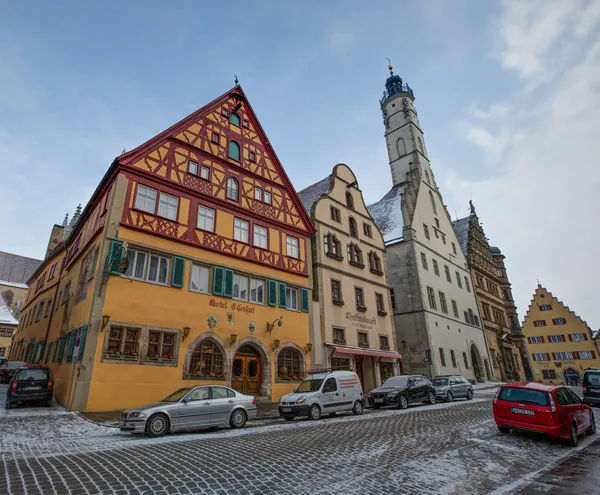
(188, 266)
(8, 324)
(15, 270)
(503, 335)
(560, 344)
(436, 317)
(351, 321)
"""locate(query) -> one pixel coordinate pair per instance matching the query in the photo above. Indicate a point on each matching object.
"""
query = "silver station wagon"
(191, 408)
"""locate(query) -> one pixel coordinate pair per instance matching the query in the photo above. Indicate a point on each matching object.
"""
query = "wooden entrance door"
(245, 376)
(359, 372)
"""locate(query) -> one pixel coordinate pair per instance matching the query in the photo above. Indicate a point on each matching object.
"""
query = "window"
(443, 305)
(336, 216)
(355, 255)
(359, 296)
(240, 287)
(158, 269)
(339, 336)
(289, 364)
(557, 338)
(426, 231)
(206, 218)
(471, 317)
(260, 237)
(363, 339)
(466, 360)
(458, 280)
(336, 292)
(539, 323)
(479, 280)
(145, 199)
(380, 304)
(245, 123)
(234, 150)
(267, 197)
(40, 310)
(536, 340)
(565, 356)
(353, 229)
(349, 200)
(48, 309)
(123, 341)
(432, 203)
(559, 321)
(424, 261)
(215, 138)
(384, 342)
(431, 297)
(374, 263)
(466, 314)
(401, 147)
(52, 271)
(234, 118)
(467, 285)
(252, 156)
(224, 112)
(454, 249)
(332, 246)
(426, 176)
(161, 345)
(204, 172)
(367, 230)
(257, 291)
(257, 194)
(437, 223)
(549, 375)
(200, 279)
(505, 295)
(340, 364)
(442, 357)
(145, 266)
(443, 238)
(546, 307)
(193, 168)
(232, 189)
(586, 354)
(453, 357)
(240, 230)
(330, 385)
(448, 276)
(206, 360)
(454, 309)
(577, 337)
(292, 246)
(540, 356)
(291, 297)
(486, 311)
(393, 298)
(436, 268)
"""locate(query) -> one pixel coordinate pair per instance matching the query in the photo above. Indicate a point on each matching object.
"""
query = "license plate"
(286, 409)
(527, 412)
(32, 388)
(378, 401)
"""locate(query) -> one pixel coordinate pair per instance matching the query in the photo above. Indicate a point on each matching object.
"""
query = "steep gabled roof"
(16, 268)
(311, 194)
(387, 214)
(461, 228)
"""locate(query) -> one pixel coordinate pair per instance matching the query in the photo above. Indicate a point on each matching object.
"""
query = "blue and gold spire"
(394, 85)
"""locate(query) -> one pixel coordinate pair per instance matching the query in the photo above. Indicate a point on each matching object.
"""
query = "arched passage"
(477, 364)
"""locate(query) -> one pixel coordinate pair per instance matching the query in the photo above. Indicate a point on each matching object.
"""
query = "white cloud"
(494, 112)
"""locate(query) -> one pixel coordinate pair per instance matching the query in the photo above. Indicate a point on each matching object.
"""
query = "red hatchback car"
(553, 410)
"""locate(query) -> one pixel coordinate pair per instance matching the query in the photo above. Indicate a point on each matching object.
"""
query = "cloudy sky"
(507, 92)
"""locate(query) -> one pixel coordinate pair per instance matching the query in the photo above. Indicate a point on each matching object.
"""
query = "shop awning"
(357, 351)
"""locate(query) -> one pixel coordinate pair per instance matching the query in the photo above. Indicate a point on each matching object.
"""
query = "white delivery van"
(323, 392)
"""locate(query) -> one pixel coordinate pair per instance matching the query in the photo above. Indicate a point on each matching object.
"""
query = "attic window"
(252, 156)
(246, 124)
(224, 112)
(234, 118)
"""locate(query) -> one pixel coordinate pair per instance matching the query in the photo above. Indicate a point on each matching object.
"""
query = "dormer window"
(234, 150)
(353, 228)
(234, 118)
(349, 200)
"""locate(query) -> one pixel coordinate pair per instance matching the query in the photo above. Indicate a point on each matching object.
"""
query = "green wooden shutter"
(48, 352)
(82, 337)
(116, 253)
(40, 352)
(304, 294)
(282, 298)
(218, 281)
(178, 271)
(55, 351)
(272, 289)
(61, 350)
(72, 337)
(228, 289)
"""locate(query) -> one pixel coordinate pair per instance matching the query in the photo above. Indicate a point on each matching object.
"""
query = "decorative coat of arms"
(211, 322)
(230, 319)
(251, 327)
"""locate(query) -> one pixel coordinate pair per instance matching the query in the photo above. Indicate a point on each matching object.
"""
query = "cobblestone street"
(447, 449)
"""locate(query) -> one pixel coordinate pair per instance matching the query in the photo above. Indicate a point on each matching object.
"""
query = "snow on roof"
(6, 316)
(387, 214)
(14, 284)
(461, 228)
(311, 194)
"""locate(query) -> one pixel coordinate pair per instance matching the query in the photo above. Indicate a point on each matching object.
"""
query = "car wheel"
(449, 397)
(238, 419)
(357, 410)
(504, 429)
(430, 398)
(573, 440)
(157, 425)
(592, 429)
(469, 394)
(402, 402)
(315, 412)
(288, 419)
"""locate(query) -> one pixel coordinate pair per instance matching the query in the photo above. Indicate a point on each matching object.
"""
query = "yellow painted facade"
(559, 343)
(162, 294)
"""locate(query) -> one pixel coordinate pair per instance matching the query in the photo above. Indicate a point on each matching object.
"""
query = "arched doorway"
(476, 362)
(246, 370)
(571, 377)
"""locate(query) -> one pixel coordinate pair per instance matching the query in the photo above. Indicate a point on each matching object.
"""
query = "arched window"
(289, 364)
(355, 255)
(427, 177)
(232, 189)
(332, 245)
(353, 228)
(349, 200)
(234, 150)
(234, 118)
(432, 202)
(374, 263)
(401, 147)
(420, 144)
(207, 360)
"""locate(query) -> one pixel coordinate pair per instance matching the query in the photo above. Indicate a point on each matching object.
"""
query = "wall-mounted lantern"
(233, 339)
(105, 320)
(186, 333)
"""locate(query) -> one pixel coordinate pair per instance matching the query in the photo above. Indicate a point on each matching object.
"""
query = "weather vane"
(390, 67)
(236, 79)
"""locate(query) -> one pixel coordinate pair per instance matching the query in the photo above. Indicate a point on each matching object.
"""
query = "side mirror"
(187, 399)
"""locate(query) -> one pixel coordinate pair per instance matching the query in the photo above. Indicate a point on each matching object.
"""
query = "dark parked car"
(7, 370)
(401, 391)
(450, 387)
(2, 360)
(591, 387)
(30, 383)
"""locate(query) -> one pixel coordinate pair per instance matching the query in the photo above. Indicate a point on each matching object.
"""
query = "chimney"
(56, 235)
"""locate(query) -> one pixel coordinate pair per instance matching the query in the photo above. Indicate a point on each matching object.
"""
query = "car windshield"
(396, 381)
(177, 396)
(309, 385)
(440, 382)
(592, 378)
(524, 396)
(32, 374)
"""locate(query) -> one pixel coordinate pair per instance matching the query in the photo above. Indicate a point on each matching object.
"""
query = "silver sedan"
(189, 409)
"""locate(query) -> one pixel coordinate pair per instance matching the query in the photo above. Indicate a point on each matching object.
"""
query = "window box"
(290, 378)
(359, 265)
(125, 356)
(198, 373)
(385, 347)
(165, 358)
(337, 302)
(363, 344)
(361, 308)
(376, 272)
(338, 257)
(382, 313)
(339, 341)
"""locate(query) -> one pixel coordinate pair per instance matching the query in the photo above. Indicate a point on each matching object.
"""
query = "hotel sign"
(242, 308)
(361, 321)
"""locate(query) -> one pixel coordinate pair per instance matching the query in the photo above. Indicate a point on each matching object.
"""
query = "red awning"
(366, 352)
